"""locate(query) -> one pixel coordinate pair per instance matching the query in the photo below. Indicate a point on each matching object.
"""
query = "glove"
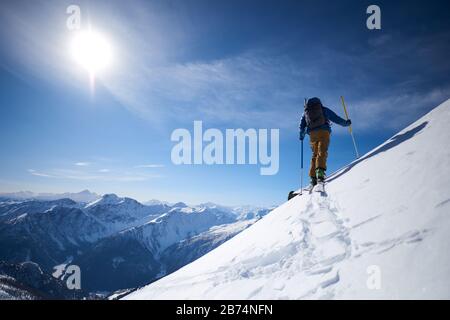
(348, 123)
(302, 135)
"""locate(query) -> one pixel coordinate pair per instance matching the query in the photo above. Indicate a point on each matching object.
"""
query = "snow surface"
(388, 212)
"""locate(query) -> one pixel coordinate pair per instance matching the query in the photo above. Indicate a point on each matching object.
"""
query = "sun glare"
(91, 51)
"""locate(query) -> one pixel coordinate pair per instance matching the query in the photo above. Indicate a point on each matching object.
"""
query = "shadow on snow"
(393, 142)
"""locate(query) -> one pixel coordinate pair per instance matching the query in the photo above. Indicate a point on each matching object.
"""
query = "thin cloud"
(251, 89)
(40, 174)
(150, 166)
(82, 164)
(83, 176)
(266, 89)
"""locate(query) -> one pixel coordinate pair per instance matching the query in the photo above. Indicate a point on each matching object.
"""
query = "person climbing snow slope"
(315, 121)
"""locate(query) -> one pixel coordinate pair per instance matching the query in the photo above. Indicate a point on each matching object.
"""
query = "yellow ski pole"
(350, 127)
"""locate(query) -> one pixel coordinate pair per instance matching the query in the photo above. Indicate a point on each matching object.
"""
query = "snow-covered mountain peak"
(180, 205)
(112, 199)
(109, 198)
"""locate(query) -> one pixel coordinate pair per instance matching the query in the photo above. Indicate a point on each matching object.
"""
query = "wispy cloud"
(150, 166)
(82, 164)
(40, 174)
(263, 88)
(89, 176)
(250, 89)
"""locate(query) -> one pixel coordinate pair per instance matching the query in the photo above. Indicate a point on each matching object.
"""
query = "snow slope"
(381, 231)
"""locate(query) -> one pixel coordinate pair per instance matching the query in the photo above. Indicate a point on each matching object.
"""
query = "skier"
(316, 122)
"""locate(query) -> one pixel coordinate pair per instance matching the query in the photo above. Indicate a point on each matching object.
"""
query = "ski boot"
(320, 175)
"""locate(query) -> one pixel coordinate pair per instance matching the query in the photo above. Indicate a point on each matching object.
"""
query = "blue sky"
(231, 64)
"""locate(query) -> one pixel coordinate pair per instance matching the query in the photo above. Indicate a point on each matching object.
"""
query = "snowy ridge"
(383, 212)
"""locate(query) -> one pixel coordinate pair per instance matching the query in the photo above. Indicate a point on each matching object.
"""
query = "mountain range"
(117, 242)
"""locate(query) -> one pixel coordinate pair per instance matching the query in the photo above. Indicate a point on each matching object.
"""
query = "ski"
(292, 194)
(319, 187)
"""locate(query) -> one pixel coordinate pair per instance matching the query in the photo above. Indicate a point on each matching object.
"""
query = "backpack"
(314, 114)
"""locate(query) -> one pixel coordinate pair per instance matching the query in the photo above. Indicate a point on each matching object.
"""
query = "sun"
(92, 51)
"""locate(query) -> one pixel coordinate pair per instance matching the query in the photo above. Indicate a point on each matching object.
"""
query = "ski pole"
(350, 127)
(301, 171)
(301, 166)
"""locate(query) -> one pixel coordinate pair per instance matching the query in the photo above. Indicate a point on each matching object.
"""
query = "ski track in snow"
(320, 241)
(386, 245)
(327, 243)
